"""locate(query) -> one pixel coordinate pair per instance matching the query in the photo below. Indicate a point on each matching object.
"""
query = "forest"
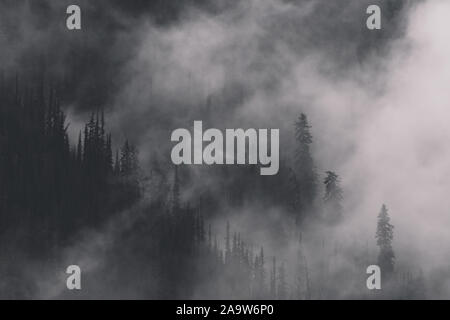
(54, 191)
(86, 176)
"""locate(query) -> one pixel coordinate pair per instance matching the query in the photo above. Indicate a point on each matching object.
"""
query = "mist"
(378, 116)
(376, 101)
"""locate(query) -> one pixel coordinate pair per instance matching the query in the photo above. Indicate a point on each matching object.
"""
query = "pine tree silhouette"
(306, 178)
(384, 236)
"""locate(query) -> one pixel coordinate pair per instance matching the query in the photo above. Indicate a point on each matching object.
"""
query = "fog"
(379, 120)
(377, 102)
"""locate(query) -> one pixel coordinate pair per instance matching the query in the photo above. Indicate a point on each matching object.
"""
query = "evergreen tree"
(273, 279)
(227, 243)
(302, 286)
(304, 168)
(384, 236)
(128, 160)
(333, 197)
(293, 189)
(259, 275)
(282, 286)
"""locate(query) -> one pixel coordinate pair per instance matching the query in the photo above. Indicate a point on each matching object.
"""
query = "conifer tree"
(260, 275)
(227, 243)
(333, 197)
(384, 236)
(282, 286)
(273, 279)
(304, 166)
(302, 286)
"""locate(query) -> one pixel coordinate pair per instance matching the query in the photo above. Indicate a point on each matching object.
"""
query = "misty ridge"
(86, 175)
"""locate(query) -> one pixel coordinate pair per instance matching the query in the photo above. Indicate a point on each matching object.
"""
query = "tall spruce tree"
(304, 167)
(273, 279)
(282, 285)
(333, 197)
(302, 285)
(259, 275)
(384, 236)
